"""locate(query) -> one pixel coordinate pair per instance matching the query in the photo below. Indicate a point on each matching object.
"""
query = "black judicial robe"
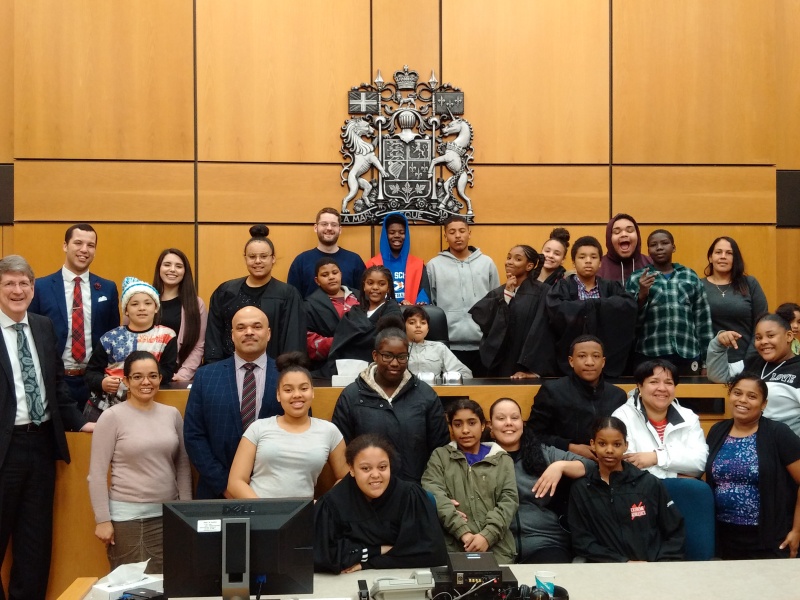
(354, 335)
(280, 302)
(516, 336)
(349, 527)
(612, 318)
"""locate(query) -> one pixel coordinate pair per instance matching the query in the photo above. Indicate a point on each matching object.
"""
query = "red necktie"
(248, 396)
(78, 336)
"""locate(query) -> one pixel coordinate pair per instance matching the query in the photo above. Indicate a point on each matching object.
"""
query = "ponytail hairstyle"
(187, 293)
(530, 444)
(609, 423)
(390, 327)
(533, 257)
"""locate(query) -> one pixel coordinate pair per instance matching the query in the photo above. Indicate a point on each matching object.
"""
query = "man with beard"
(328, 228)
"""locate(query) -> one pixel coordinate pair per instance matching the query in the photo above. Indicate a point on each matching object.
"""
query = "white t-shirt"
(287, 464)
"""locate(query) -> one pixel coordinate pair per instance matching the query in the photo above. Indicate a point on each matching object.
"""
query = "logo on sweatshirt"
(637, 510)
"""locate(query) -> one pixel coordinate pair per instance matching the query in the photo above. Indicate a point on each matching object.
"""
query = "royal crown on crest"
(405, 79)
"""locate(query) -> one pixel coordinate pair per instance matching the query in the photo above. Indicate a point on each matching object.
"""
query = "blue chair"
(695, 500)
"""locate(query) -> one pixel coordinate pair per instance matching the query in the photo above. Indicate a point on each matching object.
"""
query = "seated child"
(674, 317)
(618, 513)
(425, 356)
(583, 304)
(480, 477)
(325, 307)
(791, 314)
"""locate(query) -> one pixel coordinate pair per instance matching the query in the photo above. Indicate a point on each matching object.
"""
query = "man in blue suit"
(220, 408)
(81, 305)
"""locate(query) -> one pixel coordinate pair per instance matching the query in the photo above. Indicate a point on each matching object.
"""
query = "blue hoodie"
(407, 270)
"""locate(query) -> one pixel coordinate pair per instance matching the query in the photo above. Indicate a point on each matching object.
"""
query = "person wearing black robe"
(612, 318)
(349, 528)
(516, 338)
(584, 304)
(280, 302)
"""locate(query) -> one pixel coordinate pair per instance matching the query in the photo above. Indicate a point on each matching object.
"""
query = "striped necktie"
(248, 395)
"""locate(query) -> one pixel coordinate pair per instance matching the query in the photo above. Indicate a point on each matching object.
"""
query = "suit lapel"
(233, 392)
(5, 361)
(57, 290)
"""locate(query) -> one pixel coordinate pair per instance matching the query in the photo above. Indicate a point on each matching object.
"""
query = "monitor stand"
(236, 559)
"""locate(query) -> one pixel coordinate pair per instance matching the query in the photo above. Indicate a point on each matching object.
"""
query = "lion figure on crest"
(362, 156)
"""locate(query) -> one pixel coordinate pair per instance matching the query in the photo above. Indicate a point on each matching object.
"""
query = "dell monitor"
(234, 548)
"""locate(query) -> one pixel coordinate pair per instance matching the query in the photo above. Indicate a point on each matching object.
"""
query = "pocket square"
(102, 299)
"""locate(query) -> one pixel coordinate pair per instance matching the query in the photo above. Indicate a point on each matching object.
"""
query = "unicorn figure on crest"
(455, 156)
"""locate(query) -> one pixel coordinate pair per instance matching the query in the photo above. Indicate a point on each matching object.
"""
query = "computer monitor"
(277, 533)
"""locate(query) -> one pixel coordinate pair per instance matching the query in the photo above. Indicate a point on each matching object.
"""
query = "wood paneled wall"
(180, 123)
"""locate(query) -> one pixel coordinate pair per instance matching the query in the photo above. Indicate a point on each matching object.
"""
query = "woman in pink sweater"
(142, 441)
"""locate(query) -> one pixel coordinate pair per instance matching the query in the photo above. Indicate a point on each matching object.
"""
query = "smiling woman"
(142, 441)
(280, 302)
(663, 437)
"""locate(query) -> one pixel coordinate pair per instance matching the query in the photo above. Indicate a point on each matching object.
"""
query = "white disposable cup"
(546, 580)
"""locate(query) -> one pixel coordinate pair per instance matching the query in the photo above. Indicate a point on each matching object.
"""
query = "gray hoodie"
(456, 285)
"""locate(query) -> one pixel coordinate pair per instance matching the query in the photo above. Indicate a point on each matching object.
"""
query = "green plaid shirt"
(676, 318)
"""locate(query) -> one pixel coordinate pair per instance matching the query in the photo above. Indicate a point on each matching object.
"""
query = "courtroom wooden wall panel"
(221, 249)
(535, 75)
(695, 194)
(272, 193)
(787, 259)
(6, 81)
(537, 194)
(104, 191)
(102, 79)
(272, 77)
(7, 239)
(694, 81)
(123, 249)
(787, 56)
(405, 33)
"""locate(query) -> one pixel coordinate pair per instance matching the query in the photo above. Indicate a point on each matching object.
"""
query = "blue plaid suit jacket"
(212, 425)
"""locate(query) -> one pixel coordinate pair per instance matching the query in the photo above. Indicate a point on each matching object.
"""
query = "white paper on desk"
(125, 574)
(350, 366)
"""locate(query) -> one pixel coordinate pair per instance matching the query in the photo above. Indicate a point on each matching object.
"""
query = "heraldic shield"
(407, 148)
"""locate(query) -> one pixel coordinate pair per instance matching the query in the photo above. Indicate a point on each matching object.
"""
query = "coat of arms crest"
(398, 134)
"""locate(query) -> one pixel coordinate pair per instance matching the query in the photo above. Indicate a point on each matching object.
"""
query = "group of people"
(248, 432)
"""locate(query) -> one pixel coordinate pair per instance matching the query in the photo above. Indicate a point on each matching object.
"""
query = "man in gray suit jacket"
(215, 412)
(35, 410)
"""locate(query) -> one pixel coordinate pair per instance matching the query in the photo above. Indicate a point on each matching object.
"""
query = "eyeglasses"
(137, 377)
(12, 285)
(389, 357)
(252, 257)
(326, 225)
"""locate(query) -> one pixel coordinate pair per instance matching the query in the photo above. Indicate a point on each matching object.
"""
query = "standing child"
(325, 307)
(674, 316)
(584, 303)
(425, 356)
(618, 513)
(104, 374)
(480, 477)
(516, 339)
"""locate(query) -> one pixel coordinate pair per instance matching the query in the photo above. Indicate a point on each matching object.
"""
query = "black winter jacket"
(632, 518)
(413, 422)
(564, 410)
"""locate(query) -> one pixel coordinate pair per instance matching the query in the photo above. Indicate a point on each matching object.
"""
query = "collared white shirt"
(261, 377)
(86, 294)
(10, 338)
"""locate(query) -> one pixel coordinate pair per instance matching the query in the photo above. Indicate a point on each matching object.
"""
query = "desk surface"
(731, 580)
